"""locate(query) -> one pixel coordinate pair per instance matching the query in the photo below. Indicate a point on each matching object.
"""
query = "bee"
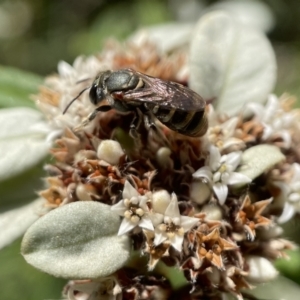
(174, 105)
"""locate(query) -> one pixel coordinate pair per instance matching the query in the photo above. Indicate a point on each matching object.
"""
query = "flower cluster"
(206, 206)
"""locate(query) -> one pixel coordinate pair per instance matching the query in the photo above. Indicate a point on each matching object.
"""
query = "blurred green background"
(35, 35)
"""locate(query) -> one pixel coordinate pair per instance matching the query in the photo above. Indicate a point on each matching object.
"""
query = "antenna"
(65, 110)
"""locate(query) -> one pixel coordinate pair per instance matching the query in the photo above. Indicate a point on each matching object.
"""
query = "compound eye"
(96, 94)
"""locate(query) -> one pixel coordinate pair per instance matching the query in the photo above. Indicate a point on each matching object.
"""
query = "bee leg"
(149, 122)
(91, 117)
(135, 123)
(148, 119)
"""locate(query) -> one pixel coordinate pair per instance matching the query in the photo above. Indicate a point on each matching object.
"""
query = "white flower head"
(133, 207)
(173, 226)
(219, 172)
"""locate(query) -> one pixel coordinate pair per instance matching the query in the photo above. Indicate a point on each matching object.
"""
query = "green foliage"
(28, 183)
(290, 268)
(61, 30)
(112, 21)
(19, 280)
(16, 86)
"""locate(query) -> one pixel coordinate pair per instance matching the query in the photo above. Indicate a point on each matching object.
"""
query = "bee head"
(98, 89)
(96, 93)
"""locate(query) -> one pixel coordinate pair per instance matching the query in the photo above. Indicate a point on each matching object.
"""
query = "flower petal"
(255, 108)
(125, 226)
(188, 222)
(234, 159)
(172, 210)
(146, 223)
(159, 238)
(204, 172)
(221, 191)
(119, 208)
(156, 218)
(287, 213)
(230, 125)
(176, 242)
(233, 142)
(214, 158)
(129, 191)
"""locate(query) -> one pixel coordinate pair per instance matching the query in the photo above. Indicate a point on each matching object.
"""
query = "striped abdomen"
(191, 123)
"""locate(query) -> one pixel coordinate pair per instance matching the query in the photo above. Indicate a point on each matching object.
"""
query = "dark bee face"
(96, 94)
(98, 88)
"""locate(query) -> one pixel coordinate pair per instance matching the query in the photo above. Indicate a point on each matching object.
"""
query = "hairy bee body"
(174, 105)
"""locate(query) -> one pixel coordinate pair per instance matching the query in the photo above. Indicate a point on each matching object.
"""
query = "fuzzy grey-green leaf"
(280, 288)
(78, 241)
(258, 159)
(23, 141)
(230, 63)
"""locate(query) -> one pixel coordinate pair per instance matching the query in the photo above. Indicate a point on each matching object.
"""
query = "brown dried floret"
(249, 216)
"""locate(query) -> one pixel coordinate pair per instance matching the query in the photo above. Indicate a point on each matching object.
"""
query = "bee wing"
(168, 94)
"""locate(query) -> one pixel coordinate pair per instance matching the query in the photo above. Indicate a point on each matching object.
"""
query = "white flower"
(222, 134)
(174, 226)
(277, 122)
(290, 195)
(133, 207)
(219, 172)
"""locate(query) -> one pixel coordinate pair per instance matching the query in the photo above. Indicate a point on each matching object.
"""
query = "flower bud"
(163, 157)
(84, 191)
(212, 212)
(200, 192)
(160, 201)
(110, 151)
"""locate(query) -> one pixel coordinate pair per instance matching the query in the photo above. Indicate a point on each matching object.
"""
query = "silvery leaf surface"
(22, 140)
(166, 37)
(230, 63)
(280, 288)
(15, 222)
(78, 240)
(254, 13)
(259, 159)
